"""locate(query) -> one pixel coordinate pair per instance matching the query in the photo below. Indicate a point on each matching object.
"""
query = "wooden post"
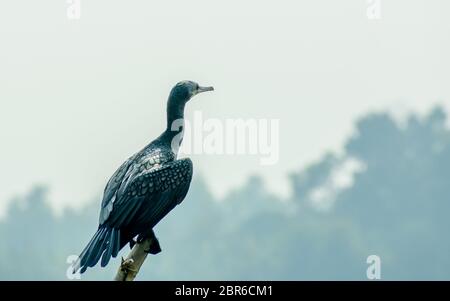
(130, 266)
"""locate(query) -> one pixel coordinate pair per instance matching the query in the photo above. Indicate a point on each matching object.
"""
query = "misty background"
(364, 134)
(397, 208)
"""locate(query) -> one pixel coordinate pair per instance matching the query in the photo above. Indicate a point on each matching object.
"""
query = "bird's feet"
(127, 265)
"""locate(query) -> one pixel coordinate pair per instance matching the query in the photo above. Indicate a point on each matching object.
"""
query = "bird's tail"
(105, 241)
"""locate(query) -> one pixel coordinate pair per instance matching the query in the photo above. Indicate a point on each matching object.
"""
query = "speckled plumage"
(143, 190)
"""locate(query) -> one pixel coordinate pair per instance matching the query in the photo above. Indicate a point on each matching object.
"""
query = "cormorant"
(144, 188)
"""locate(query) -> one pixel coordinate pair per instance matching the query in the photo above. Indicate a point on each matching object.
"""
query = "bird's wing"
(148, 195)
(113, 185)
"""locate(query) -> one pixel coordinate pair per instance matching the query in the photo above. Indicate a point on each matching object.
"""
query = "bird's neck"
(175, 114)
(175, 122)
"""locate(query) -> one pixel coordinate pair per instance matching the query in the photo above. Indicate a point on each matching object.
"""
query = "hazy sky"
(80, 96)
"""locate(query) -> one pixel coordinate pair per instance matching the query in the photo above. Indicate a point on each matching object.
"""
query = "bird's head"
(185, 90)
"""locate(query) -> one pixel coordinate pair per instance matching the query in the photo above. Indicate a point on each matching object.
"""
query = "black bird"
(144, 189)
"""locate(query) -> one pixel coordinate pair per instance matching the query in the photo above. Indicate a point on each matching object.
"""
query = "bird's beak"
(204, 89)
